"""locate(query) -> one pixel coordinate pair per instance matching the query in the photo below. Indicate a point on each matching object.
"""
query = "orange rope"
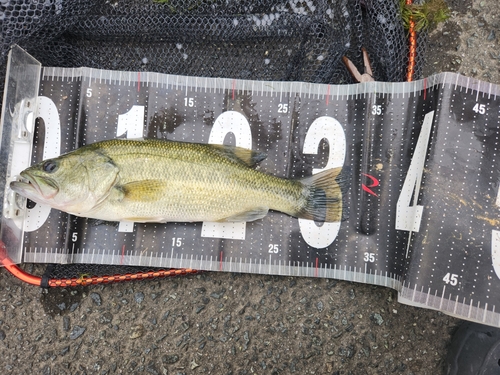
(413, 48)
(94, 280)
(87, 280)
(15, 270)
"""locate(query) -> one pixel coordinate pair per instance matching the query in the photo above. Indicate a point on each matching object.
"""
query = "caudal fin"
(326, 189)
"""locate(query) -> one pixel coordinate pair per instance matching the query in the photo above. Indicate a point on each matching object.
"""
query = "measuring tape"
(422, 212)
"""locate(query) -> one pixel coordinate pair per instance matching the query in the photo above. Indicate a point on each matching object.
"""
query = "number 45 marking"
(451, 278)
(479, 108)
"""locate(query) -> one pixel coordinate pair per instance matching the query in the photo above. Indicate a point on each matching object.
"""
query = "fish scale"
(420, 212)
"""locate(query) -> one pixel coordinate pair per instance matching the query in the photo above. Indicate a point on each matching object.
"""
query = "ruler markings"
(323, 92)
(442, 297)
(394, 89)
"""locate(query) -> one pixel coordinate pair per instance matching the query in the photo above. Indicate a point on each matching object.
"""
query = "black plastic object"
(474, 350)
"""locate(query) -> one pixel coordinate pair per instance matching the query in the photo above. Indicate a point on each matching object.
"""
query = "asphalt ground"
(225, 323)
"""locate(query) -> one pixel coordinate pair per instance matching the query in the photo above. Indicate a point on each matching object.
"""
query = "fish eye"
(49, 166)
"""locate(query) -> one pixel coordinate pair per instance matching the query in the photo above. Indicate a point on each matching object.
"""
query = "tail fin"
(326, 189)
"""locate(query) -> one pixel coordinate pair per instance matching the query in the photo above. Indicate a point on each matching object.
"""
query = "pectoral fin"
(143, 191)
(255, 214)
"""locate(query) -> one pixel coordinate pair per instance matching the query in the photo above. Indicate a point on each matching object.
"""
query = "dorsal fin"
(248, 157)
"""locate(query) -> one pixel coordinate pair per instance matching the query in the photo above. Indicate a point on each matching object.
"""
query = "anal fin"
(252, 215)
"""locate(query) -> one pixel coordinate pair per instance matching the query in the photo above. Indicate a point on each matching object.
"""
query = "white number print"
(176, 241)
(451, 278)
(330, 129)
(479, 108)
(369, 257)
(131, 124)
(274, 248)
(283, 108)
(408, 213)
(189, 102)
(376, 109)
(495, 244)
(48, 112)
(237, 124)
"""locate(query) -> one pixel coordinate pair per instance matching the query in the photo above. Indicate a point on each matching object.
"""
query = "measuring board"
(421, 214)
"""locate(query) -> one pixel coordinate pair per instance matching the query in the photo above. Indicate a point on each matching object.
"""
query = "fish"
(157, 180)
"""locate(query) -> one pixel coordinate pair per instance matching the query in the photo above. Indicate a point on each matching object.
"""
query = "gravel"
(224, 323)
(247, 324)
(468, 43)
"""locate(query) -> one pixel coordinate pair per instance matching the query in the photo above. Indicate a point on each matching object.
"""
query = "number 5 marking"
(330, 129)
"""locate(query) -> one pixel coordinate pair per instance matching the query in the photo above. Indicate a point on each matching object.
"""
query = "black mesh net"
(264, 40)
(283, 40)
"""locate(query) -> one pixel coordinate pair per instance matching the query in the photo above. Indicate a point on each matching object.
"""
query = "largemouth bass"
(159, 181)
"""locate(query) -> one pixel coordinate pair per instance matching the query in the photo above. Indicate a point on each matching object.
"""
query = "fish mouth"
(35, 187)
